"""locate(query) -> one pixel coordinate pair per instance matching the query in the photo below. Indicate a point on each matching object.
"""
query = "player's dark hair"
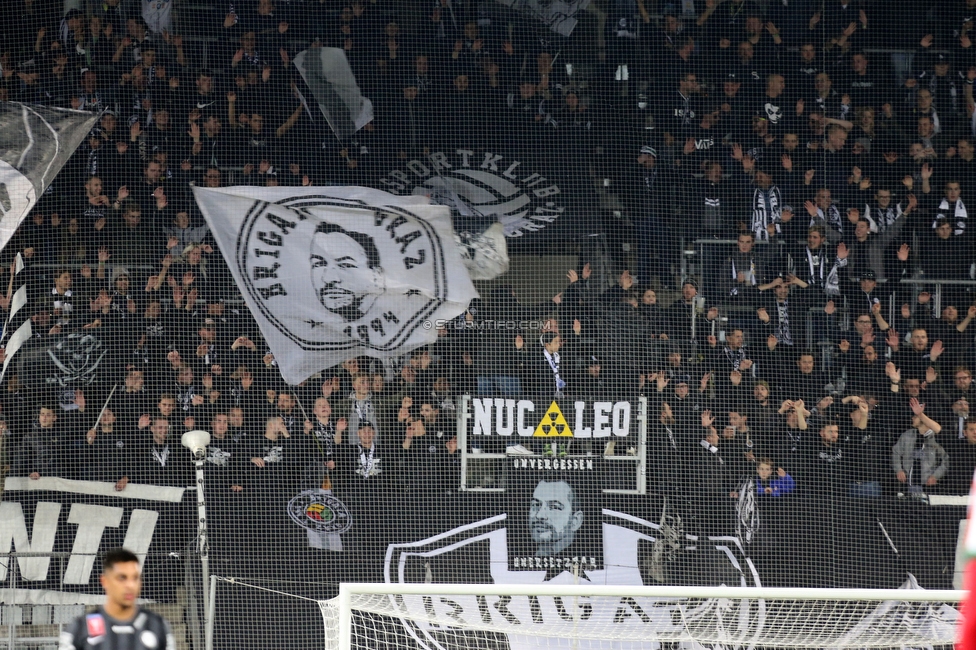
(117, 556)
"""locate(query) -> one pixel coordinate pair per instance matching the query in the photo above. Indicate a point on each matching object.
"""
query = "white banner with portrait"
(331, 273)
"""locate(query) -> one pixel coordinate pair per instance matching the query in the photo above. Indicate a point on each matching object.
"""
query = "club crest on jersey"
(484, 182)
(365, 277)
(96, 625)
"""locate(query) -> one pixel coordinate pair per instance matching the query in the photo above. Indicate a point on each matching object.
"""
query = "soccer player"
(120, 623)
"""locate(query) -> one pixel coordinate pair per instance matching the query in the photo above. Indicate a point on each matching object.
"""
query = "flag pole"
(104, 406)
(327, 481)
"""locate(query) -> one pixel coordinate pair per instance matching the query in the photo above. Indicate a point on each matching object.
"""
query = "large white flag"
(331, 273)
(35, 143)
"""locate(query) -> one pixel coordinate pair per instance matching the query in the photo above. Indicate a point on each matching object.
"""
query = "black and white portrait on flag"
(557, 526)
(333, 273)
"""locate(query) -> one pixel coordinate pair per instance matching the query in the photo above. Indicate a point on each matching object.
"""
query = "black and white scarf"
(831, 217)
(368, 463)
(881, 218)
(746, 512)
(553, 360)
(324, 433)
(160, 455)
(735, 357)
(750, 274)
(185, 395)
(766, 209)
(959, 217)
(62, 301)
(361, 412)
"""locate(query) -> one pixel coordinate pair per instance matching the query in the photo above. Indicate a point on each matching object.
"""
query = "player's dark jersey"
(99, 631)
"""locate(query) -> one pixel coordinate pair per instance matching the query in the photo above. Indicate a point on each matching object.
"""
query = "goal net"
(584, 616)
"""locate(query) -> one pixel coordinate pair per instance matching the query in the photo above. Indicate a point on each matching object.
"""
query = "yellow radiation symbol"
(553, 424)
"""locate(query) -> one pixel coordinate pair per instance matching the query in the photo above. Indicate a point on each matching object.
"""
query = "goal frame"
(346, 591)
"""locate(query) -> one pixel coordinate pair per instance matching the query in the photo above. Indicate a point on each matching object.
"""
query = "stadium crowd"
(837, 169)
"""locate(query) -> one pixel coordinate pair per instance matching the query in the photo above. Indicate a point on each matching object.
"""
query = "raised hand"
(936, 351)
(662, 381)
(892, 339)
(706, 418)
(917, 407)
(763, 314)
(626, 280)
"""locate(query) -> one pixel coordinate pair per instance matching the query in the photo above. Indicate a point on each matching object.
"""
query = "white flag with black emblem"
(331, 273)
(35, 143)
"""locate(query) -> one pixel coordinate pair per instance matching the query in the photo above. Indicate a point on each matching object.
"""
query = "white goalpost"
(452, 616)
